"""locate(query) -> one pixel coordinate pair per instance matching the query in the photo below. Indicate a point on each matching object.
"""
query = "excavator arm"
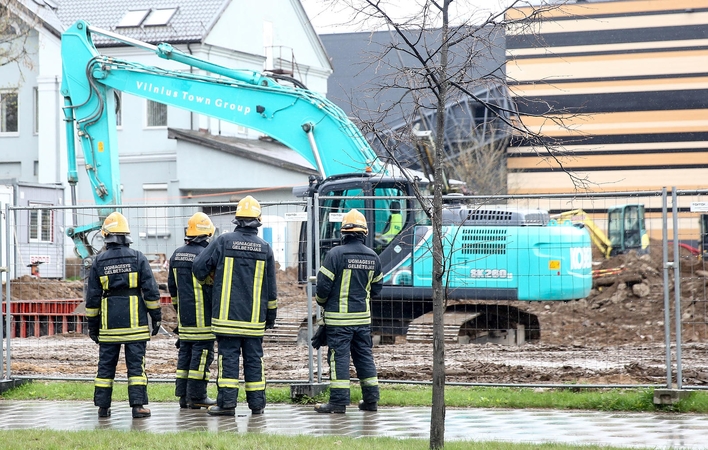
(303, 120)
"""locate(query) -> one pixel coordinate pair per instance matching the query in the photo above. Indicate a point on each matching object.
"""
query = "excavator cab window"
(626, 227)
(614, 227)
(632, 232)
(390, 214)
(331, 203)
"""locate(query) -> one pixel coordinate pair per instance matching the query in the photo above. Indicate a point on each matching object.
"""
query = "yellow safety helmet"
(199, 225)
(248, 208)
(115, 223)
(354, 221)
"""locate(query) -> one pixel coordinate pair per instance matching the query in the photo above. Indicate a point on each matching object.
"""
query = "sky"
(334, 16)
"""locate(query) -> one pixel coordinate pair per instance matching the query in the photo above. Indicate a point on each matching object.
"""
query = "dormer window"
(147, 17)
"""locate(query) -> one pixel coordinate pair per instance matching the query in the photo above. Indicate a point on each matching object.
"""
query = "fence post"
(310, 356)
(677, 286)
(316, 243)
(666, 265)
(8, 275)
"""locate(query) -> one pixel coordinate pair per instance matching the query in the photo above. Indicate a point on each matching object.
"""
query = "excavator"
(491, 252)
(626, 227)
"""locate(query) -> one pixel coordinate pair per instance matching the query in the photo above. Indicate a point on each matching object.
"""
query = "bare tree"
(481, 164)
(14, 34)
(437, 59)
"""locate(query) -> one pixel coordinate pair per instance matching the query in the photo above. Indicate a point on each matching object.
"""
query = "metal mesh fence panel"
(613, 336)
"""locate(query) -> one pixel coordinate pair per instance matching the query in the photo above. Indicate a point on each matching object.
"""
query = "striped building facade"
(629, 81)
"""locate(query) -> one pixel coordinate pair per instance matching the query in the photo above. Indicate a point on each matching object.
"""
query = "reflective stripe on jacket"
(120, 292)
(244, 282)
(350, 274)
(191, 299)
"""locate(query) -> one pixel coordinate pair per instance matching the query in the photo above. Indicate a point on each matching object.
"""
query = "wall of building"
(628, 81)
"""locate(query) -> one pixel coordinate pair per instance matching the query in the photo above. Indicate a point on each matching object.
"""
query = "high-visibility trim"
(378, 278)
(182, 374)
(326, 272)
(196, 375)
(124, 334)
(133, 279)
(122, 339)
(196, 333)
(104, 313)
(368, 288)
(227, 383)
(347, 319)
(120, 331)
(198, 303)
(238, 328)
(104, 282)
(339, 384)
(175, 300)
(252, 386)
(272, 304)
(201, 372)
(138, 381)
(152, 304)
(320, 300)
(226, 288)
(103, 382)
(344, 290)
(373, 381)
(332, 366)
(92, 312)
(134, 317)
(257, 289)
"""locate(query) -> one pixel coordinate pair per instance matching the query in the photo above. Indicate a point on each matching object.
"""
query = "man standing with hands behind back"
(245, 304)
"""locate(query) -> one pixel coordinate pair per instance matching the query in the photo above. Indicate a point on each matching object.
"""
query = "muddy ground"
(615, 336)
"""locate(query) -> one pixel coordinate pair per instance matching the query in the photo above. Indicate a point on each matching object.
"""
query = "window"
(8, 112)
(157, 218)
(159, 17)
(41, 224)
(156, 114)
(133, 18)
(147, 17)
(36, 110)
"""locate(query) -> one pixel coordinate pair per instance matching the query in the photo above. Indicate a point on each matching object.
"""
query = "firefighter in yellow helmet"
(245, 305)
(120, 294)
(192, 301)
(350, 274)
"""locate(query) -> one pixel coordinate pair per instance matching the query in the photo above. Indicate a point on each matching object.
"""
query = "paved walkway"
(676, 431)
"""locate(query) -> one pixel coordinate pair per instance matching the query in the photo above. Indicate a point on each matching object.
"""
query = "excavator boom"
(303, 120)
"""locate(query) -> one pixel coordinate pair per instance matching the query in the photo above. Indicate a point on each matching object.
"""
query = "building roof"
(191, 21)
(268, 152)
(45, 11)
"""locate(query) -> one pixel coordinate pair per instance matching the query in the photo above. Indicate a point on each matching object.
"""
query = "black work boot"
(330, 408)
(205, 402)
(183, 402)
(363, 406)
(257, 411)
(139, 411)
(219, 411)
(104, 412)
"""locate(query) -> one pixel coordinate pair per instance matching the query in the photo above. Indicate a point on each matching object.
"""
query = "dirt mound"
(626, 304)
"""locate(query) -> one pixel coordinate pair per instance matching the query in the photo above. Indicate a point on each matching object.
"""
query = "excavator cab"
(627, 229)
(386, 204)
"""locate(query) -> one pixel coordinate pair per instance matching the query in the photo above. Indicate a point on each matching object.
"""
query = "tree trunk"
(437, 416)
